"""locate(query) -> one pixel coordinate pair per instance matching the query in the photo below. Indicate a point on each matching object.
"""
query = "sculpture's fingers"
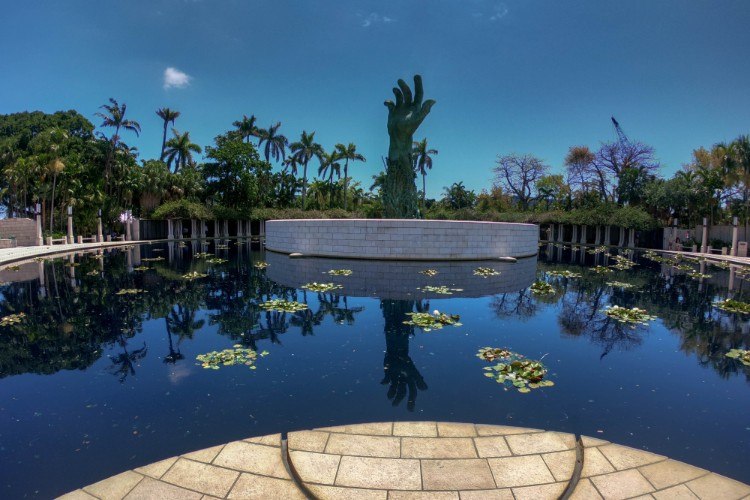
(426, 107)
(399, 96)
(418, 90)
(406, 91)
(389, 104)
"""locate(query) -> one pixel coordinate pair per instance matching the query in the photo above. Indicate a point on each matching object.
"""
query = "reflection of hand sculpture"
(404, 117)
(399, 370)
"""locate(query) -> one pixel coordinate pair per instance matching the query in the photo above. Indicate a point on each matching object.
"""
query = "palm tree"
(246, 127)
(378, 181)
(303, 151)
(329, 164)
(347, 153)
(114, 117)
(275, 143)
(422, 162)
(169, 116)
(180, 150)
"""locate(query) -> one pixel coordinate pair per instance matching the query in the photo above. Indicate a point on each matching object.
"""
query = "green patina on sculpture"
(399, 192)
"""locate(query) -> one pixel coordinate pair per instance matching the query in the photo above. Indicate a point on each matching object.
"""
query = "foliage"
(238, 355)
(742, 355)
(633, 316)
(282, 305)
(435, 321)
(182, 209)
(321, 287)
(733, 306)
(485, 272)
(523, 374)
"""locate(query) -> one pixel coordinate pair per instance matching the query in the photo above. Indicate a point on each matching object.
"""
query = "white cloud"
(373, 18)
(174, 78)
(499, 11)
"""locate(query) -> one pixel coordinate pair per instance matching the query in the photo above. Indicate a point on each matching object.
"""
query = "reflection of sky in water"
(117, 386)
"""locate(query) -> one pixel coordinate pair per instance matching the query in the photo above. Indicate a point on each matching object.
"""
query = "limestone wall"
(24, 231)
(402, 239)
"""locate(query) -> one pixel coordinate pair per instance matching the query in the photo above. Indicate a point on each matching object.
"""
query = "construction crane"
(621, 137)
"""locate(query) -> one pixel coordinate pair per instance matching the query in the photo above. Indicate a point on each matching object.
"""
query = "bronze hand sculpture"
(404, 117)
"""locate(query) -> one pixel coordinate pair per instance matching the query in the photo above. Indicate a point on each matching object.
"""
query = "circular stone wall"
(411, 239)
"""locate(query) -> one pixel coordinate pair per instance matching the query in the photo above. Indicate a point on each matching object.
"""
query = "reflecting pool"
(99, 374)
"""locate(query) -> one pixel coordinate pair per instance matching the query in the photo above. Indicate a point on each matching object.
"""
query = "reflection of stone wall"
(402, 239)
(400, 279)
(24, 231)
(26, 272)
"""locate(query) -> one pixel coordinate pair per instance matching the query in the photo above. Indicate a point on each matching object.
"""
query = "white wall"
(402, 239)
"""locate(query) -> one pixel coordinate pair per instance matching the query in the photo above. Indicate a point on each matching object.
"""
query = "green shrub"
(182, 209)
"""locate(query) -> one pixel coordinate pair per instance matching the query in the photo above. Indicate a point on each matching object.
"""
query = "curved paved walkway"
(416, 460)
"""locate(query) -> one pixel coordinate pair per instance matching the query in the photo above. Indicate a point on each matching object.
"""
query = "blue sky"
(526, 76)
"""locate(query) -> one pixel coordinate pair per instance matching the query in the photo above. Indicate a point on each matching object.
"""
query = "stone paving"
(413, 461)
(16, 254)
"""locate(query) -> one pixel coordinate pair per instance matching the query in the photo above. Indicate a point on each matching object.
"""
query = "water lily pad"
(434, 321)
(141, 268)
(340, 272)
(492, 353)
(194, 275)
(619, 284)
(12, 319)
(733, 306)
(485, 272)
(633, 316)
(152, 259)
(601, 270)
(741, 355)
(282, 305)
(541, 288)
(563, 274)
(129, 291)
(93, 273)
(321, 287)
(429, 272)
(596, 250)
(217, 260)
(202, 255)
(440, 290)
(230, 357)
(515, 370)
(260, 265)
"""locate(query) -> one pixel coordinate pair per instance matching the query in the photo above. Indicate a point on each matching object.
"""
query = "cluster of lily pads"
(152, 259)
(194, 275)
(217, 260)
(141, 268)
(697, 275)
(601, 270)
(230, 357)
(202, 255)
(623, 263)
(321, 287)
(261, 265)
(340, 272)
(282, 305)
(429, 272)
(563, 274)
(541, 288)
(12, 319)
(93, 273)
(741, 355)
(485, 272)
(596, 250)
(222, 247)
(129, 291)
(733, 306)
(440, 290)
(618, 284)
(432, 321)
(523, 374)
(632, 316)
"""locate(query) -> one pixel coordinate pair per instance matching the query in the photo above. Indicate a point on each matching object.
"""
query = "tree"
(552, 189)
(423, 162)
(329, 163)
(303, 151)
(348, 153)
(456, 196)
(618, 158)
(275, 143)
(180, 151)
(168, 116)
(246, 127)
(518, 174)
(581, 172)
(114, 117)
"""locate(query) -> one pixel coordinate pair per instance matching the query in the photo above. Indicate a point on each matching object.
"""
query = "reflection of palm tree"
(124, 364)
(400, 373)
(330, 304)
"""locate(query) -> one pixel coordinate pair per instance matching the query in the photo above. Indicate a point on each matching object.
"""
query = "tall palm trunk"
(346, 182)
(163, 141)
(424, 188)
(52, 210)
(304, 186)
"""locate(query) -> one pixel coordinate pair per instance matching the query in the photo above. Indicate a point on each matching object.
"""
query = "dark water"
(93, 383)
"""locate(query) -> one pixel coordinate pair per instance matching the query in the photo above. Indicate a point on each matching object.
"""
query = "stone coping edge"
(403, 258)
